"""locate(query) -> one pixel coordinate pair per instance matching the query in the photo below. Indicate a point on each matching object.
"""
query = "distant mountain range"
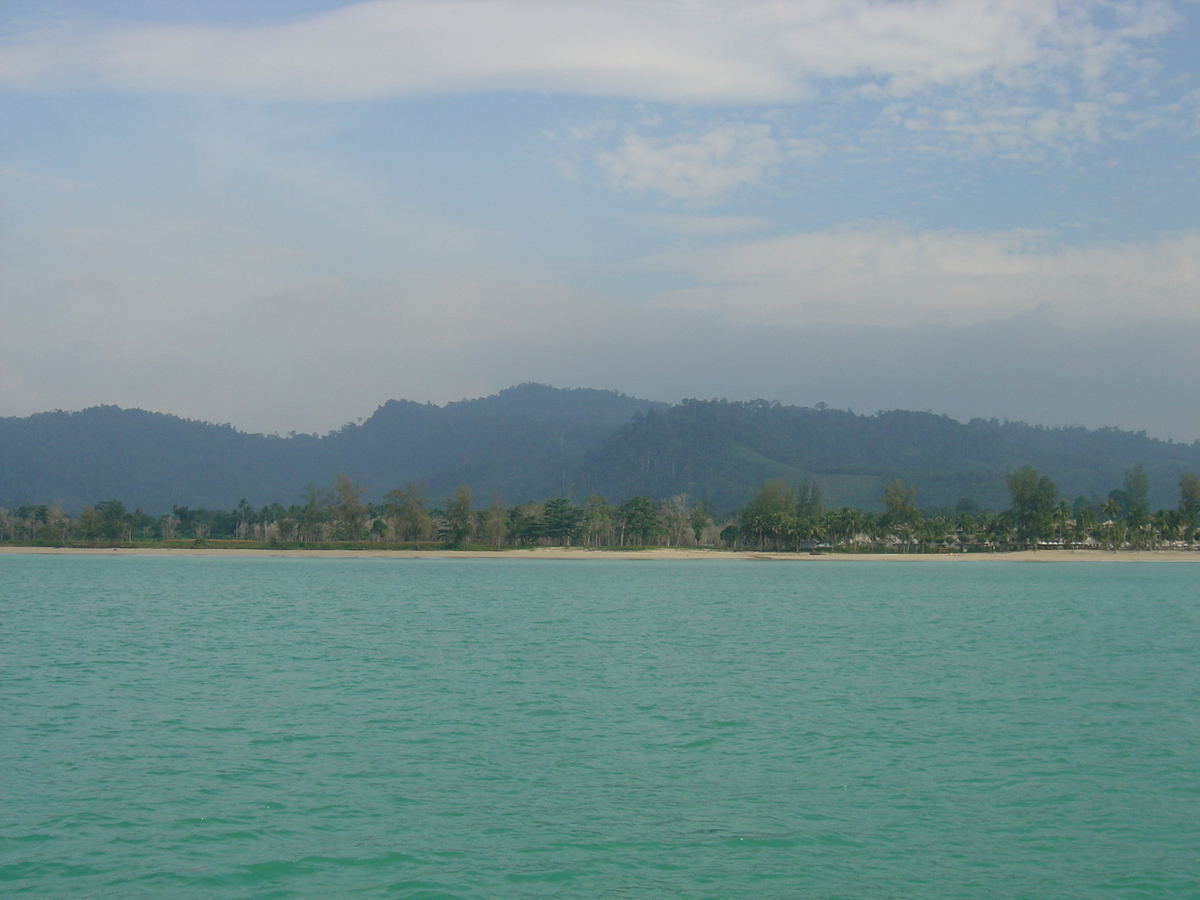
(532, 442)
(723, 450)
(522, 443)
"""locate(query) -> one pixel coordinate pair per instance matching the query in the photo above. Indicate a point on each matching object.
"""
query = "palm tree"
(1062, 515)
(1085, 524)
(1161, 528)
(964, 527)
(1111, 508)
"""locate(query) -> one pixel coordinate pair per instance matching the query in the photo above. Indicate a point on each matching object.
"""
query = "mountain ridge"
(515, 443)
(723, 448)
(533, 441)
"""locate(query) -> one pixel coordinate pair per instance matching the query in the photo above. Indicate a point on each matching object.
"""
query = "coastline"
(662, 555)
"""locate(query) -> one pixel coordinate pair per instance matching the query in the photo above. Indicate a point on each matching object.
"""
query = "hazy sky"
(280, 214)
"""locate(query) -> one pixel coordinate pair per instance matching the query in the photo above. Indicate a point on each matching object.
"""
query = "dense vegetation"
(532, 442)
(521, 443)
(723, 450)
(777, 518)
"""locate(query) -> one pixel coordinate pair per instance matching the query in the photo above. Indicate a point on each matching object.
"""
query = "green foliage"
(348, 508)
(1137, 493)
(459, 521)
(900, 504)
(699, 520)
(561, 521)
(406, 507)
(599, 521)
(808, 501)
(771, 520)
(770, 467)
(520, 443)
(638, 517)
(90, 525)
(515, 443)
(525, 524)
(726, 450)
(768, 519)
(1034, 499)
(1189, 501)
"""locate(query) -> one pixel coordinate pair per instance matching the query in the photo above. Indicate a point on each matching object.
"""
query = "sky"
(282, 213)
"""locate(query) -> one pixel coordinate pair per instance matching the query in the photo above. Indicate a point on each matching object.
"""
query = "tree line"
(406, 516)
(778, 517)
(781, 518)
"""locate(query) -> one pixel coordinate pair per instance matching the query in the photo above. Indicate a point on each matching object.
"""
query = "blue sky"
(282, 214)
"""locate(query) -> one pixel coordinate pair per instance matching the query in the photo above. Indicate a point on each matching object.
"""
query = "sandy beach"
(663, 554)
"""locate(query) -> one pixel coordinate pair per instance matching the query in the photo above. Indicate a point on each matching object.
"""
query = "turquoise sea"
(266, 727)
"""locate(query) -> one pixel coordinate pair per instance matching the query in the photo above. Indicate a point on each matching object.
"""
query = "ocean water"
(265, 727)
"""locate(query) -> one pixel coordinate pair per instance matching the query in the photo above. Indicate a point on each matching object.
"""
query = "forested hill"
(723, 450)
(533, 442)
(521, 443)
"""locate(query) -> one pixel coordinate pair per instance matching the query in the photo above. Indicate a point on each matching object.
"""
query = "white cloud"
(689, 51)
(706, 225)
(995, 125)
(695, 166)
(896, 276)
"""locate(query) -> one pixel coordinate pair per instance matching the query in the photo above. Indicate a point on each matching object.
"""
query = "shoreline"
(665, 554)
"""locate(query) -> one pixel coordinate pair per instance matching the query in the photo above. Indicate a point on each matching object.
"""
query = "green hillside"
(521, 443)
(723, 450)
(532, 442)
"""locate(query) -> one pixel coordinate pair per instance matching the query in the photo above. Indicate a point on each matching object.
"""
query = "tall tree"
(460, 521)
(1034, 498)
(599, 519)
(348, 506)
(561, 520)
(1085, 524)
(407, 508)
(699, 518)
(1061, 516)
(769, 517)
(808, 501)
(639, 519)
(676, 516)
(900, 504)
(116, 520)
(526, 524)
(492, 523)
(1189, 502)
(1137, 492)
(90, 524)
(244, 512)
(314, 512)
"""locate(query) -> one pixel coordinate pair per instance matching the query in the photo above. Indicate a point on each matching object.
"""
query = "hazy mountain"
(517, 444)
(723, 450)
(534, 442)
